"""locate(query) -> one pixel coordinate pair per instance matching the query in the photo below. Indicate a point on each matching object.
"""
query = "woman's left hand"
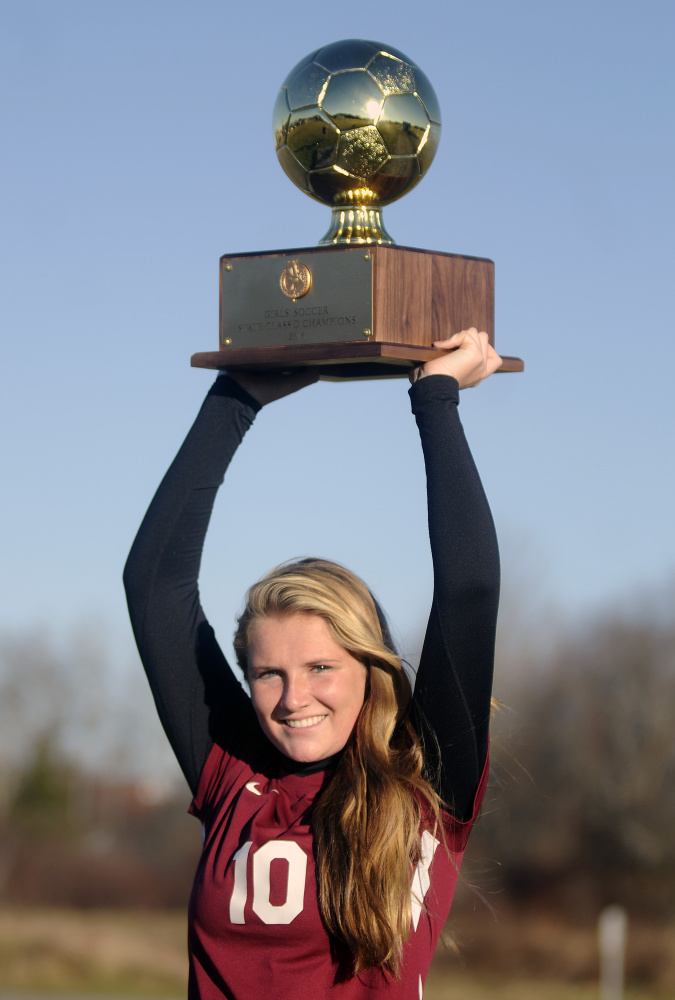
(470, 358)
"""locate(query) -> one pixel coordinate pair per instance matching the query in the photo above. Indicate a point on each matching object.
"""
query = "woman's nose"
(295, 694)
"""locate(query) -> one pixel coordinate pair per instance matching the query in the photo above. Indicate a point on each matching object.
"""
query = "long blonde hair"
(366, 822)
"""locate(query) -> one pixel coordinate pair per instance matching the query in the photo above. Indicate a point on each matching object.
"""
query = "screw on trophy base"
(356, 126)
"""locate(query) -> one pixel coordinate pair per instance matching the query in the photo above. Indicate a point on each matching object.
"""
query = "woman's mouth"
(311, 720)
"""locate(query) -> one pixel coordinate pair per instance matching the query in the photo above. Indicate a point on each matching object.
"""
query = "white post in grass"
(612, 932)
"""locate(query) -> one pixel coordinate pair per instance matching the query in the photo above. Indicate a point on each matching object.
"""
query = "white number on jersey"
(269, 913)
(288, 850)
(421, 878)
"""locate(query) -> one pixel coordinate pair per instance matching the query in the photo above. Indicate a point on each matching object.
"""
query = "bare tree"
(95, 712)
(586, 764)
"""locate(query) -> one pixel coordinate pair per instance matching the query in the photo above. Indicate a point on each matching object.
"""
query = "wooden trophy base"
(359, 312)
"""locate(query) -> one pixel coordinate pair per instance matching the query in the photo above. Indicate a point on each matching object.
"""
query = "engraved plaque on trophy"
(356, 126)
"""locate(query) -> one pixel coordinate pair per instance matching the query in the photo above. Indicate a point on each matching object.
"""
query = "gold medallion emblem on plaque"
(295, 280)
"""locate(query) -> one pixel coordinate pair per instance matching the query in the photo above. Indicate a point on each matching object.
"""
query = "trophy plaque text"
(357, 125)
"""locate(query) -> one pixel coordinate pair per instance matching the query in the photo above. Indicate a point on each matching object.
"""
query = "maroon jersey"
(254, 925)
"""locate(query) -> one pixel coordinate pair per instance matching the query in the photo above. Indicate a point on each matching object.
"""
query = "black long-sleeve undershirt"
(195, 691)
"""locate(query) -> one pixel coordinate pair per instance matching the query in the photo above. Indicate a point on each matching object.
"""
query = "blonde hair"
(367, 821)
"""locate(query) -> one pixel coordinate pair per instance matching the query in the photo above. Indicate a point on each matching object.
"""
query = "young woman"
(335, 803)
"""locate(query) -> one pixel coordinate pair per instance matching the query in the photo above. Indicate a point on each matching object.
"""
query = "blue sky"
(138, 149)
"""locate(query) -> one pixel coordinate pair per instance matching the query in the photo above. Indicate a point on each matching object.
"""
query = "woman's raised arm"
(194, 689)
(191, 682)
(451, 704)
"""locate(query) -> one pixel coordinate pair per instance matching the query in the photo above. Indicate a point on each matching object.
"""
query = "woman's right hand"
(470, 358)
(265, 387)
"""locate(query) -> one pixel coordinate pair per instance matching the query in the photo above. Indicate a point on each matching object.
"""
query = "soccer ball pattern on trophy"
(356, 124)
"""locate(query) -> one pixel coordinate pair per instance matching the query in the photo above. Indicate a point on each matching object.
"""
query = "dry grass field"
(89, 951)
(142, 954)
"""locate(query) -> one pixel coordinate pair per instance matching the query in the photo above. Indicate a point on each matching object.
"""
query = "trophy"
(356, 126)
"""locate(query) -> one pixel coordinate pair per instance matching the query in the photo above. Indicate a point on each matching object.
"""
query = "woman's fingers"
(472, 335)
(470, 358)
(494, 360)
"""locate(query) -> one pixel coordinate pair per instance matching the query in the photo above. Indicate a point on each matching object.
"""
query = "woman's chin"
(304, 749)
(303, 754)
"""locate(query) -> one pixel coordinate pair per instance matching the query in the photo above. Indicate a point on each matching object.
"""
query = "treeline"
(581, 807)
(92, 805)
(579, 813)
(74, 840)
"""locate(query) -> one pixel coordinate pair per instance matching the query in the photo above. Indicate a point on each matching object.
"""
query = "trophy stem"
(356, 225)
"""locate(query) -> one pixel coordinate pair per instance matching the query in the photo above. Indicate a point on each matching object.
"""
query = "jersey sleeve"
(451, 701)
(196, 694)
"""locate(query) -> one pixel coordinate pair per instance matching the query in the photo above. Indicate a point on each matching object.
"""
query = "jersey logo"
(421, 879)
(252, 786)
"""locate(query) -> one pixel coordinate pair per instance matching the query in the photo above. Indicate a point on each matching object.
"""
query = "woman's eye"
(320, 668)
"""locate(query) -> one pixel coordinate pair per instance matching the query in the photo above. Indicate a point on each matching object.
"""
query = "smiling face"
(306, 689)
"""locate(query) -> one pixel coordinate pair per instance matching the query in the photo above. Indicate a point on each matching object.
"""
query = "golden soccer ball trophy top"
(356, 126)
